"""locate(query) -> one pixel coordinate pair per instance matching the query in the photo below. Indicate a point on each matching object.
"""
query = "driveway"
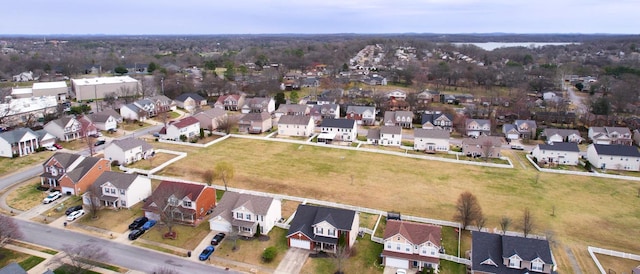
(293, 261)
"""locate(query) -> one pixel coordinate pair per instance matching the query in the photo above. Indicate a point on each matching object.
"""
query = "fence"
(455, 259)
(592, 250)
(180, 155)
(581, 173)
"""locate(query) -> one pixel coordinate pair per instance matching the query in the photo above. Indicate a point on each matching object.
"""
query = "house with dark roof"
(477, 127)
(495, 253)
(120, 190)
(189, 202)
(561, 135)
(437, 120)
(296, 125)
(343, 130)
(162, 103)
(611, 135)
(65, 128)
(615, 157)
(258, 104)
(324, 111)
(190, 101)
(210, 118)
(45, 138)
(18, 142)
(104, 120)
(292, 109)
(188, 126)
(489, 146)
(255, 123)
(128, 151)
(559, 153)
(520, 129)
(231, 102)
(71, 173)
(318, 228)
(431, 140)
(399, 118)
(12, 268)
(245, 214)
(410, 245)
(364, 115)
(385, 136)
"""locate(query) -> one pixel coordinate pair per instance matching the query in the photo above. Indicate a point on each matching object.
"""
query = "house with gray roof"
(557, 153)
(128, 151)
(477, 127)
(292, 109)
(296, 125)
(120, 190)
(105, 120)
(210, 118)
(65, 128)
(385, 136)
(489, 146)
(71, 173)
(364, 115)
(344, 130)
(520, 129)
(611, 135)
(45, 138)
(255, 123)
(190, 101)
(437, 120)
(495, 253)
(318, 228)
(615, 157)
(561, 135)
(399, 118)
(258, 104)
(324, 111)
(19, 142)
(245, 214)
(133, 112)
(431, 140)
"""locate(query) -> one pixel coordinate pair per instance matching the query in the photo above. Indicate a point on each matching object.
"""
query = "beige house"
(210, 118)
(431, 140)
(411, 245)
(296, 125)
(255, 122)
(481, 146)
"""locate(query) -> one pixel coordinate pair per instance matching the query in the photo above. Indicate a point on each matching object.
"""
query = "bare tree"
(527, 222)
(480, 222)
(504, 224)
(167, 199)
(467, 209)
(86, 129)
(92, 200)
(227, 123)
(81, 258)
(208, 176)
(225, 172)
(342, 254)
(9, 230)
(487, 149)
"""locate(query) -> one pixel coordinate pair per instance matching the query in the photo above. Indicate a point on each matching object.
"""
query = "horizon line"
(336, 33)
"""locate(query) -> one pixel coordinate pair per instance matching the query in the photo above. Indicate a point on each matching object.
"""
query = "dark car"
(206, 253)
(100, 142)
(218, 238)
(137, 223)
(72, 209)
(135, 234)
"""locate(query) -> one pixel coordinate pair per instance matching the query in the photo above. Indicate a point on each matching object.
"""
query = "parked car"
(206, 253)
(156, 134)
(137, 223)
(401, 271)
(51, 148)
(72, 209)
(217, 239)
(100, 142)
(149, 224)
(135, 234)
(517, 147)
(75, 215)
(58, 146)
(52, 197)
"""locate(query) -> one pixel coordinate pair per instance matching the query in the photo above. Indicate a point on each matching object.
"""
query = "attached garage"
(394, 262)
(219, 224)
(300, 243)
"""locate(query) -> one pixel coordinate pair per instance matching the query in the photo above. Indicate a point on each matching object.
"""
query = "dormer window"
(514, 262)
(186, 203)
(239, 216)
(537, 266)
(319, 230)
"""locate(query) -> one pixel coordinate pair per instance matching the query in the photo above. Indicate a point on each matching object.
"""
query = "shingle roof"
(496, 247)
(338, 123)
(480, 122)
(130, 143)
(183, 97)
(15, 135)
(308, 215)
(82, 168)
(192, 191)
(373, 134)
(231, 200)
(617, 150)
(562, 132)
(212, 112)
(255, 116)
(560, 146)
(185, 122)
(12, 268)
(294, 120)
(292, 108)
(417, 233)
(431, 133)
(360, 109)
(390, 130)
(64, 158)
(118, 179)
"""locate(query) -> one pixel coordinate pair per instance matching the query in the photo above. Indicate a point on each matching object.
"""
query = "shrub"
(115, 163)
(269, 254)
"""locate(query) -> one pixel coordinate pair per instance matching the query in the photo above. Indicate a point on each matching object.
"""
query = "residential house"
(296, 125)
(18, 142)
(428, 96)
(611, 136)
(65, 128)
(245, 214)
(210, 118)
(162, 103)
(87, 127)
(188, 126)
(291, 109)
(325, 111)
(183, 202)
(190, 101)
(559, 153)
(364, 115)
(148, 106)
(45, 139)
(318, 228)
(614, 157)
(400, 118)
(105, 120)
(385, 136)
(344, 130)
(255, 122)
(431, 140)
(561, 135)
(520, 129)
(482, 146)
(394, 104)
(259, 104)
(411, 245)
(437, 120)
(133, 112)
(71, 173)
(496, 253)
(231, 102)
(477, 127)
(396, 94)
(120, 190)
(128, 151)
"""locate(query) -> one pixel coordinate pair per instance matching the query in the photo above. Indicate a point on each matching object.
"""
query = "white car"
(75, 215)
(401, 271)
(51, 148)
(52, 197)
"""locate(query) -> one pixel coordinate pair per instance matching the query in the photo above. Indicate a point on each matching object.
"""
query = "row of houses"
(614, 157)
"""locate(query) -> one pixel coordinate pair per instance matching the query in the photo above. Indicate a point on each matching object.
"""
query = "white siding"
(139, 190)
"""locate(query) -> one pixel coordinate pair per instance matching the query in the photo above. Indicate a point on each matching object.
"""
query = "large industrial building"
(100, 87)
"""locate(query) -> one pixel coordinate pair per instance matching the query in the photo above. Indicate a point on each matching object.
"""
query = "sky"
(166, 17)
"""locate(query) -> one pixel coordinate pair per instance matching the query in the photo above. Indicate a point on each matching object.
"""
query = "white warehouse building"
(100, 87)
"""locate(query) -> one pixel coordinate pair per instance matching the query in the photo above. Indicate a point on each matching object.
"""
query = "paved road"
(127, 256)
(576, 100)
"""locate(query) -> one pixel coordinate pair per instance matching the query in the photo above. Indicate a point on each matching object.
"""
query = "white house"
(477, 127)
(431, 140)
(610, 135)
(385, 136)
(105, 120)
(65, 128)
(337, 130)
(615, 157)
(259, 104)
(562, 135)
(396, 94)
(364, 115)
(20, 142)
(557, 153)
(133, 112)
(188, 126)
(245, 213)
(410, 245)
(296, 125)
(127, 151)
(120, 190)
(318, 228)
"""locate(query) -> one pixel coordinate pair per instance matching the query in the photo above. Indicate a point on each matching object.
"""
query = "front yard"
(8, 165)
(250, 251)
(26, 261)
(188, 236)
(113, 220)
(26, 196)
(365, 258)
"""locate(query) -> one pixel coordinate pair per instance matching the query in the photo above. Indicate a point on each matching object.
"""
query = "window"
(246, 229)
(186, 203)
(319, 230)
(113, 191)
(388, 245)
(238, 215)
(537, 266)
(123, 203)
(514, 263)
(331, 232)
(248, 216)
(407, 248)
(398, 247)
(122, 191)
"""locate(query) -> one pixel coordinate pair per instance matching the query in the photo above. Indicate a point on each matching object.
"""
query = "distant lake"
(494, 45)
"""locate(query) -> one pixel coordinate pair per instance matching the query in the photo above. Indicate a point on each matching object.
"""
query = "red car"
(57, 146)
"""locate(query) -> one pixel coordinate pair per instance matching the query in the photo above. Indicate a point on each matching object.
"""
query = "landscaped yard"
(365, 258)
(27, 261)
(430, 189)
(113, 220)
(8, 165)
(250, 251)
(188, 236)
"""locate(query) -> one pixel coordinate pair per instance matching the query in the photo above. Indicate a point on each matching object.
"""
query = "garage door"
(513, 136)
(399, 263)
(300, 244)
(221, 226)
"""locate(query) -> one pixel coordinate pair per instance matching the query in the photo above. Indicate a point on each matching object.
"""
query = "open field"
(617, 265)
(8, 165)
(588, 211)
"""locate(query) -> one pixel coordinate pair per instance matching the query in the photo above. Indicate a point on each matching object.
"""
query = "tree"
(579, 86)
(487, 148)
(467, 209)
(208, 176)
(257, 234)
(152, 67)
(81, 258)
(92, 200)
(166, 198)
(294, 97)
(227, 123)
(480, 222)
(86, 129)
(120, 70)
(269, 254)
(225, 172)
(504, 224)
(280, 99)
(527, 222)
(601, 106)
(9, 230)
(342, 253)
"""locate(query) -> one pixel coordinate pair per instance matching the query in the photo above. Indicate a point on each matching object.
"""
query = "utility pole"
(162, 85)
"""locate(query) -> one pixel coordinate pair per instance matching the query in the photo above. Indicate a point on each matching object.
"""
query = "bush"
(269, 254)
(115, 163)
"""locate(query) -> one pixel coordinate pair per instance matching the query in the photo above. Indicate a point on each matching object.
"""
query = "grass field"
(588, 211)
(8, 165)
(250, 251)
(26, 196)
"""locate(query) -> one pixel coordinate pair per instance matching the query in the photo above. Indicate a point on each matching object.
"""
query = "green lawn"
(31, 262)
(8, 165)
(365, 258)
